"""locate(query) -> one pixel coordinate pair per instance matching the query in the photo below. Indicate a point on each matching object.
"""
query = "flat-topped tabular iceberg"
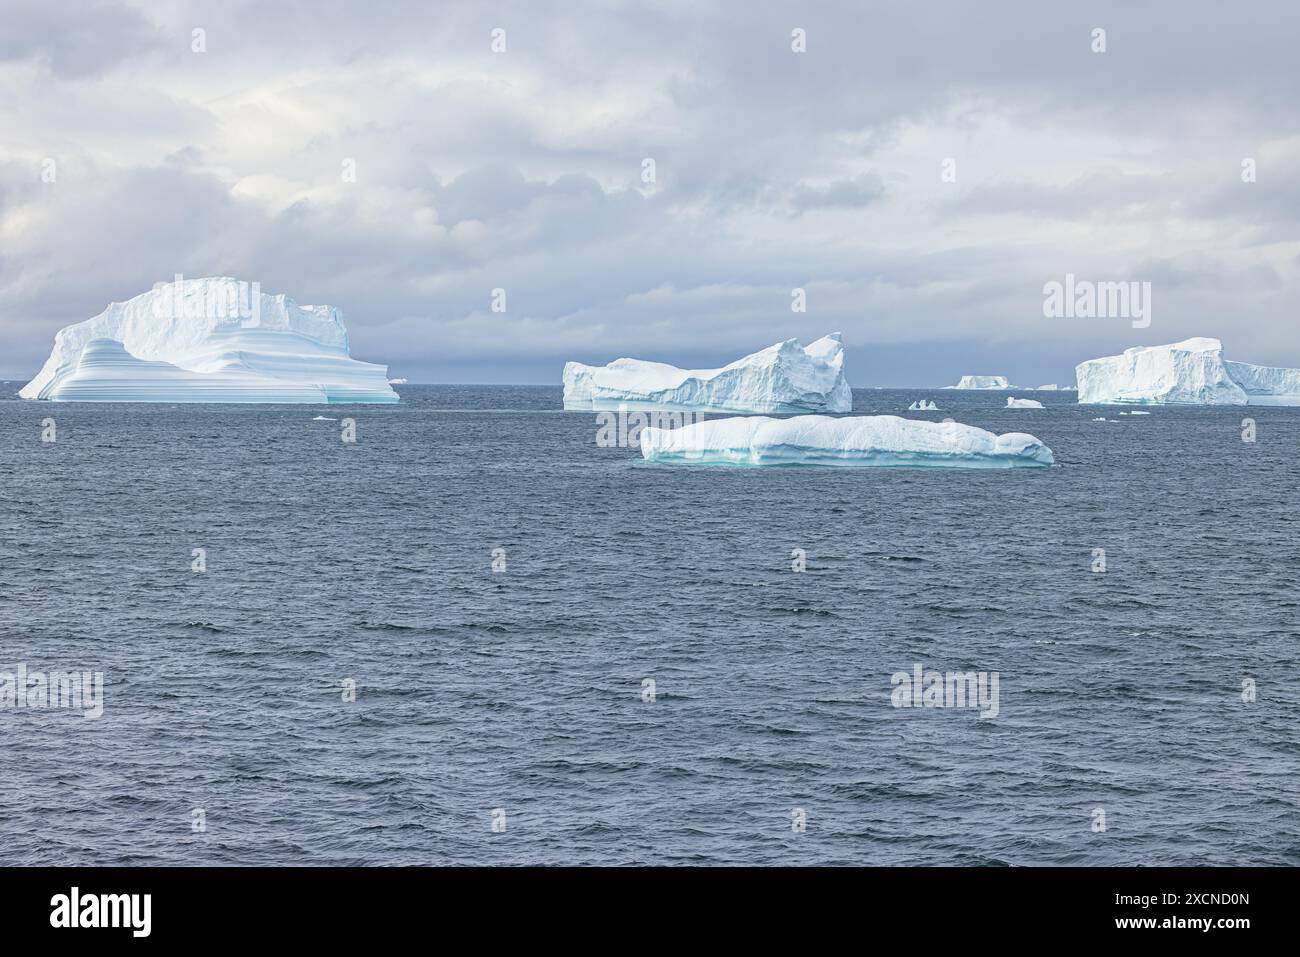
(208, 340)
(1014, 403)
(1191, 372)
(860, 440)
(782, 378)
(982, 382)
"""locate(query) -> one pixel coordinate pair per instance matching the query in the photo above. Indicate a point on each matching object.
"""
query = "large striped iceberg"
(858, 440)
(783, 378)
(208, 340)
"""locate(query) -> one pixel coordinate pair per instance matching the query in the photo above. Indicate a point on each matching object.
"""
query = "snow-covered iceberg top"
(1014, 403)
(982, 382)
(860, 440)
(1191, 372)
(783, 378)
(208, 340)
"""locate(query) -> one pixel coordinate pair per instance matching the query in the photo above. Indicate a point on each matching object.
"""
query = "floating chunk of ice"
(785, 377)
(982, 382)
(1191, 372)
(867, 440)
(208, 340)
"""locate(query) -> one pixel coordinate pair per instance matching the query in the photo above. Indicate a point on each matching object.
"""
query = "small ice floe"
(1014, 403)
(324, 418)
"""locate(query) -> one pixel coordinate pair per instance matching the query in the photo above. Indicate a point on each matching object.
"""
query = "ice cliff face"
(1266, 385)
(859, 440)
(982, 382)
(208, 340)
(782, 378)
(1191, 372)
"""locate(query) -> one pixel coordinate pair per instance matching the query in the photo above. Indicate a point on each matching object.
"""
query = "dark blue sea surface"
(519, 692)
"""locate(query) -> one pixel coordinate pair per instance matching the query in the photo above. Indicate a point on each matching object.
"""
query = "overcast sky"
(774, 169)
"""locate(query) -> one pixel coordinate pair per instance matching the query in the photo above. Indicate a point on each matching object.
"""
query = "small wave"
(204, 625)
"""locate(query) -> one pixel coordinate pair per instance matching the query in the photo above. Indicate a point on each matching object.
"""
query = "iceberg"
(783, 378)
(982, 382)
(208, 340)
(1048, 388)
(1014, 403)
(862, 440)
(922, 405)
(1191, 372)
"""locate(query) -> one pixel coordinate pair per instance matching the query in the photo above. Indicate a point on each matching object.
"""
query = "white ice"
(1191, 372)
(208, 340)
(1014, 403)
(982, 382)
(864, 440)
(785, 377)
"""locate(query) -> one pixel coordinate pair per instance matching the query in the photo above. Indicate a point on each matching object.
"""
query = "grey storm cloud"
(860, 191)
(526, 170)
(73, 39)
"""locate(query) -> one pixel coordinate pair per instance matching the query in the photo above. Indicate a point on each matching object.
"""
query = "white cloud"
(773, 169)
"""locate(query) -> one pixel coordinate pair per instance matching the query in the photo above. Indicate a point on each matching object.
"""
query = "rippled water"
(522, 690)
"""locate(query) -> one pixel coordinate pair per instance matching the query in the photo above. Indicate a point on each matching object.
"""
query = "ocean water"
(518, 696)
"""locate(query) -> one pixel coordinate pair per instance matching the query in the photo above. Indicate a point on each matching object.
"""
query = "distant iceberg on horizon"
(783, 378)
(982, 382)
(1191, 372)
(208, 340)
(854, 441)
